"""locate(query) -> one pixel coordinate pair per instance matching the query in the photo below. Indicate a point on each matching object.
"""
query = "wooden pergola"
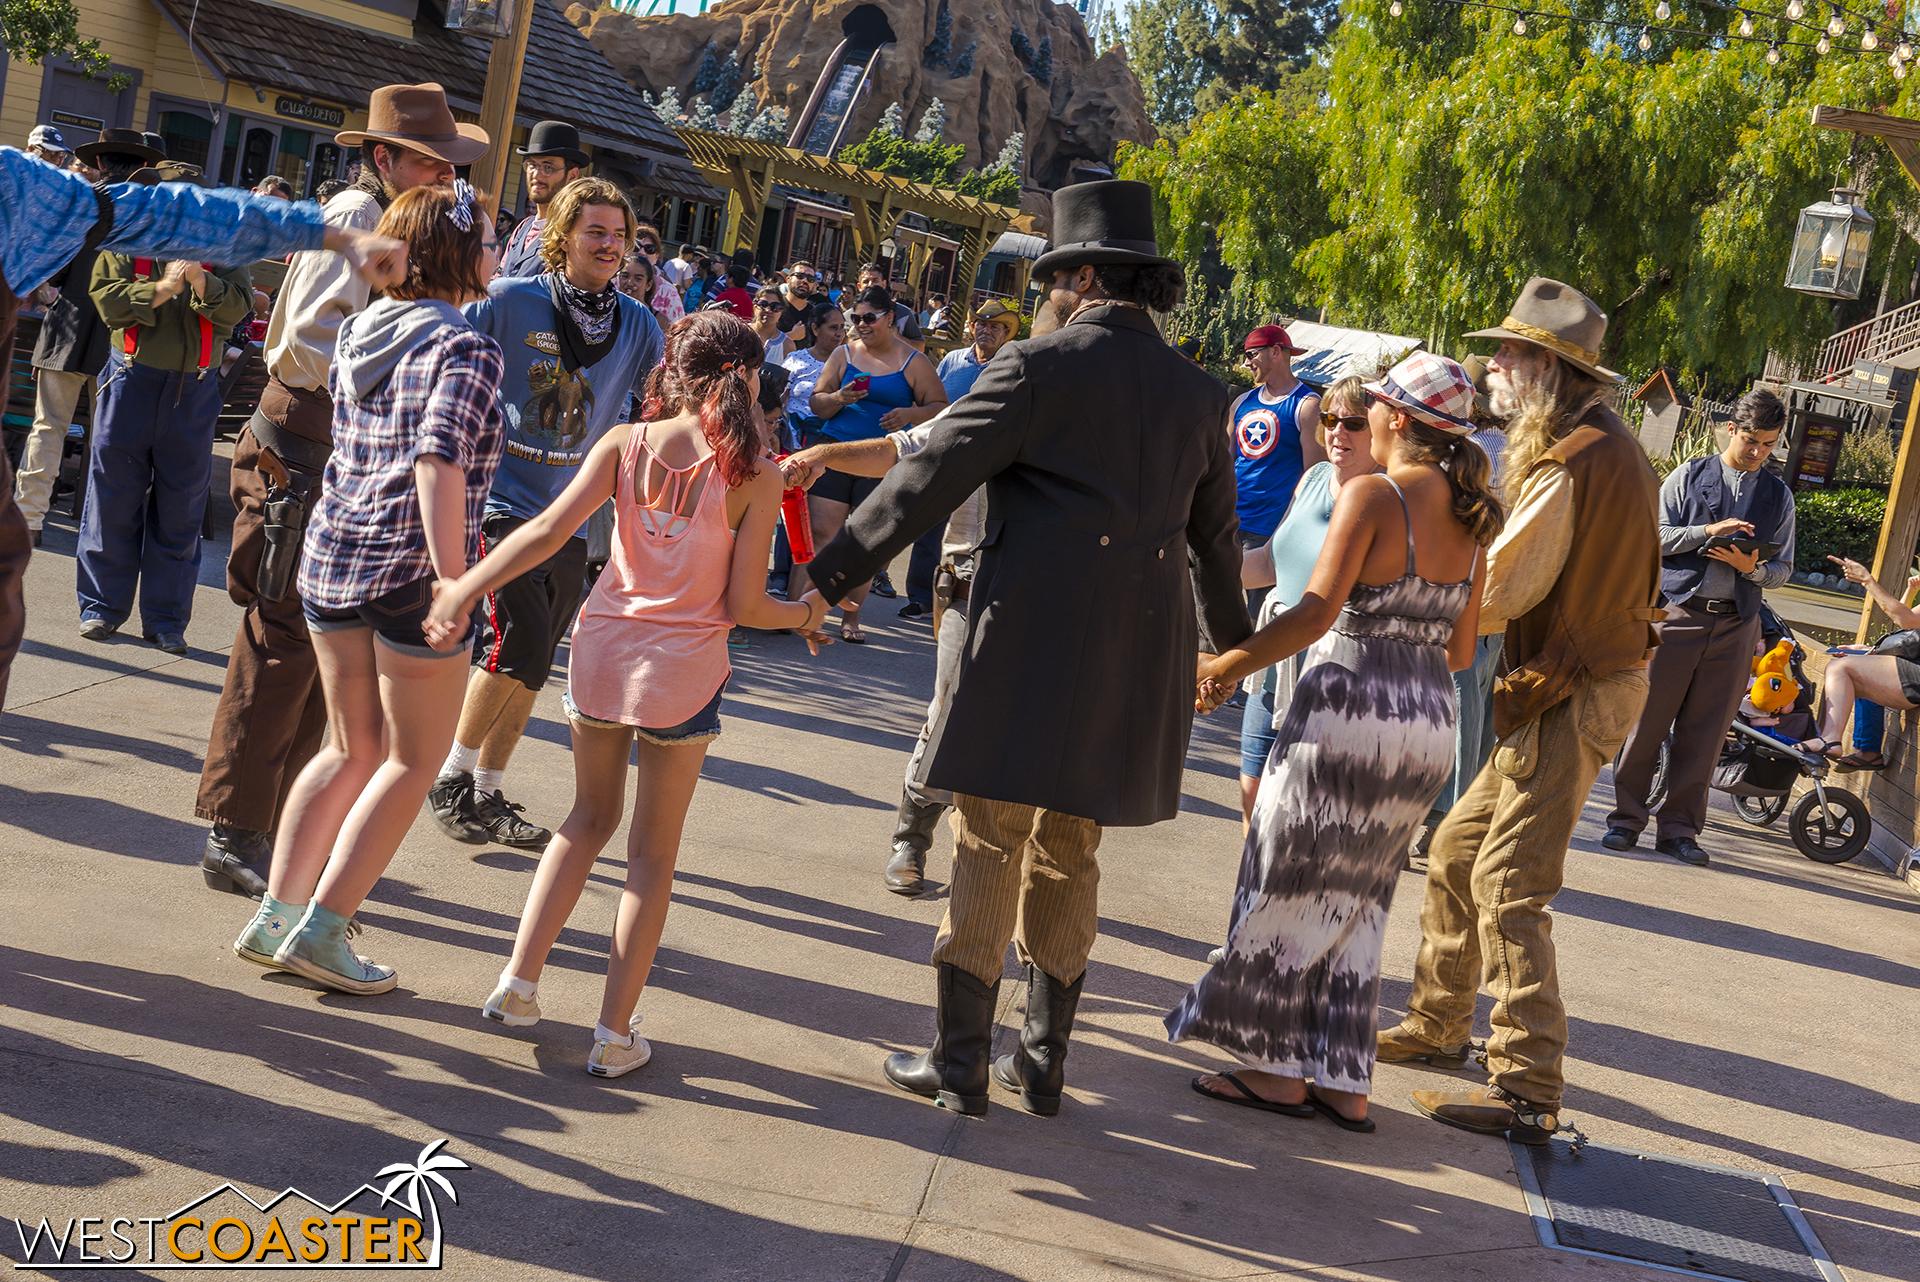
(1900, 531)
(747, 168)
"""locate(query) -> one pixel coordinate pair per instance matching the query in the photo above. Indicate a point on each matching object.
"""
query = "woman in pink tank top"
(694, 506)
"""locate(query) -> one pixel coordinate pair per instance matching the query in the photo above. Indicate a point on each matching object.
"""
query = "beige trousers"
(1496, 862)
(1024, 875)
(56, 395)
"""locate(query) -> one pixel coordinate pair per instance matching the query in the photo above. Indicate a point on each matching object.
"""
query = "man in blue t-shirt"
(575, 347)
(1275, 428)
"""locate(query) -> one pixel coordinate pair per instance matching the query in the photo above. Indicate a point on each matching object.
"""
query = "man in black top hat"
(1105, 467)
(554, 159)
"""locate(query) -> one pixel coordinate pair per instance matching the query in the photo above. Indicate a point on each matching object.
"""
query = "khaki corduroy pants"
(1023, 874)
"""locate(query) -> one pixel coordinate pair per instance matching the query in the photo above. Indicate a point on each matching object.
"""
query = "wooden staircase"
(1880, 341)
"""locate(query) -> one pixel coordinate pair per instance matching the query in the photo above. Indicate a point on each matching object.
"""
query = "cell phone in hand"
(860, 384)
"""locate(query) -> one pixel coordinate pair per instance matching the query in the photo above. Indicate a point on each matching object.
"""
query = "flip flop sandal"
(1824, 749)
(852, 633)
(1852, 761)
(1364, 1126)
(1250, 1099)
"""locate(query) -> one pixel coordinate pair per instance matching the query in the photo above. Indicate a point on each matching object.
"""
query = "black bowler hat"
(556, 138)
(1101, 222)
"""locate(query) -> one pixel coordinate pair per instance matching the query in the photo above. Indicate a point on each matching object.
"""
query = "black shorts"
(840, 487)
(395, 618)
(1909, 679)
(520, 623)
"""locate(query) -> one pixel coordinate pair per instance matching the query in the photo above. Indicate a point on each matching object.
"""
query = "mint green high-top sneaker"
(317, 949)
(269, 929)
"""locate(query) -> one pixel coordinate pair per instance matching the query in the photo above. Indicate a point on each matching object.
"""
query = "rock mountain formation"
(1005, 67)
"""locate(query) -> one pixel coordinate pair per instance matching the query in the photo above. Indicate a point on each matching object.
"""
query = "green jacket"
(169, 338)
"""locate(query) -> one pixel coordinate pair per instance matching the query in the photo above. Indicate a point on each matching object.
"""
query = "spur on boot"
(953, 1072)
(1037, 1070)
(234, 859)
(317, 949)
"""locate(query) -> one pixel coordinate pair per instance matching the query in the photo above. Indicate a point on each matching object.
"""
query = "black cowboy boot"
(231, 859)
(954, 1071)
(1038, 1069)
(912, 838)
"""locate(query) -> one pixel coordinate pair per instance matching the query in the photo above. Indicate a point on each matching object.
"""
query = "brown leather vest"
(1598, 617)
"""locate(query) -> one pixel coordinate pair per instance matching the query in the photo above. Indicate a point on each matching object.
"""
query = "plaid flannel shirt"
(365, 537)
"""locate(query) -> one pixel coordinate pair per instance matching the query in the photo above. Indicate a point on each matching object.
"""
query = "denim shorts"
(1256, 734)
(702, 727)
(395, 617)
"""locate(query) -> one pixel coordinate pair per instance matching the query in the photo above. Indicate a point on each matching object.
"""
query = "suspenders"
(143, 270)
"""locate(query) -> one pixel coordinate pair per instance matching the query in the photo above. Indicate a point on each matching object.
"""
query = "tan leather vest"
(1598, 617)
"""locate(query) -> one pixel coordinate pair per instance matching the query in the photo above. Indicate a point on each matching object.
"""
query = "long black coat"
(1105, 461)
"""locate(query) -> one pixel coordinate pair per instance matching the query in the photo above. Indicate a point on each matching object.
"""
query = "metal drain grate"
(1685, 1217)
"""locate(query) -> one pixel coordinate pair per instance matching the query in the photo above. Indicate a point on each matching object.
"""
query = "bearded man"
(1575, 577)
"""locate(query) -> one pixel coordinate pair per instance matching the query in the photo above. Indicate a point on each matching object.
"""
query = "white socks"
(601, 1033)
(485, 782)
(519, 987)
(460, 758)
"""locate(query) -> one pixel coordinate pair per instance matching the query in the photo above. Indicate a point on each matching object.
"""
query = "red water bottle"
(793, 515)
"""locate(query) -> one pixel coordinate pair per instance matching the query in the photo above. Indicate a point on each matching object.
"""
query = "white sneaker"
(611, 1059)
(1217, 956)
(510, 1008)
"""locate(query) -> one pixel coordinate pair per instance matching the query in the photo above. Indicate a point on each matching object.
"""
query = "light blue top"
(46, 213)
(958, 370)
(1297, 542)
(554, 417)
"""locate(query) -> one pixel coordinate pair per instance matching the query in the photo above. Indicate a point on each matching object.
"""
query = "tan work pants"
(1496, 862)
(1024, 875)
(56, 394)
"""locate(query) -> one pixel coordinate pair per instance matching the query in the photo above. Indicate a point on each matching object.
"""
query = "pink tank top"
(650, 645)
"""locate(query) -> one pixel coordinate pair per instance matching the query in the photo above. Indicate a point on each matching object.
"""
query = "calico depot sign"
(396, 1226)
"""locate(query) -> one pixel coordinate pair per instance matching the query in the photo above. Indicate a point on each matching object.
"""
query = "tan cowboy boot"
(1398, 1046)
(1489, 1111)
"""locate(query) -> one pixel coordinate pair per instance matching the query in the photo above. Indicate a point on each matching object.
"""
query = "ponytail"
(1469, 473)
(726, 420)
(709, 358)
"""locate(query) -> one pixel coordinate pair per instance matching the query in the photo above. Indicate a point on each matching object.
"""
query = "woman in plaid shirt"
(417, 434)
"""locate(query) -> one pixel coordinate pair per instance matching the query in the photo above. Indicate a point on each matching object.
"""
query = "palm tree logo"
(417, 1179)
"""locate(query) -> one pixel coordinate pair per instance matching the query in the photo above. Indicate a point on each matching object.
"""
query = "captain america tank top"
(1267, 463)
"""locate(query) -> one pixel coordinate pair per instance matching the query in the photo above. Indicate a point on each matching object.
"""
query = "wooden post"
(500, 100)
(1893, 558)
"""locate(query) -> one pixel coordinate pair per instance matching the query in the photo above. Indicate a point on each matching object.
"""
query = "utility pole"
(497, 103)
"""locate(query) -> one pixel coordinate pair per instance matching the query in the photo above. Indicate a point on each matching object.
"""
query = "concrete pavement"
(1758, 1013)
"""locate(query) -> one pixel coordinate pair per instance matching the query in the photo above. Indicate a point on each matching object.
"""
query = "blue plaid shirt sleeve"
(455, 415)
(179, 220)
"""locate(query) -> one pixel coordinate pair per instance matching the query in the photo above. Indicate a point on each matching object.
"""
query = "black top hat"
(1101, 222)
(119, 142)
(556, 138)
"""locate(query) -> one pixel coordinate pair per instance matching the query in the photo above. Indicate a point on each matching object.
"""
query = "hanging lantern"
(491, 19)
(1830, 246)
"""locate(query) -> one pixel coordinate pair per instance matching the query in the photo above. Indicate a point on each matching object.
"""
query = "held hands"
(799, 470)
(810, 630)
(1211, 687)
(380, 260)
(452, 614)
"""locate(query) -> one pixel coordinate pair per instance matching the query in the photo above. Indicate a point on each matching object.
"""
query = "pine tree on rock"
(703, 116)
(1009, 157)
(890, 122)
(666, 106)
(1022, 47)
(963, 65)
(709, 73)
(727, 88)
(933, 123)
(1042, 65)
(942, 43)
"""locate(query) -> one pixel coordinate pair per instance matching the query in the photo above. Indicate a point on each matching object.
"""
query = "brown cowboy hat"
(1561, 319)
(417, 117)
(119, 142)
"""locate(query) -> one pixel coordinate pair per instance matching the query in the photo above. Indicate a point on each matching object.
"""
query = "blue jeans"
(1473, 723)
(1869, 726)
(923, 564)
(147, 476)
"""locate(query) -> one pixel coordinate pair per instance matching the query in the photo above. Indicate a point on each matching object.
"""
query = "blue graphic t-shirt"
(1267, 462)
(553, 415)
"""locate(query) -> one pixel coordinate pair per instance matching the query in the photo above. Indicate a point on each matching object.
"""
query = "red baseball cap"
(1272, 336)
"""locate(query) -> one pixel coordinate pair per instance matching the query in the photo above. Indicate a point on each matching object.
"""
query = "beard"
(1541, 403)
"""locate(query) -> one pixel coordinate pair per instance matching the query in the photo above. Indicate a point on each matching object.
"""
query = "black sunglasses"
(867, 318)
(648, 247)
(766, 306)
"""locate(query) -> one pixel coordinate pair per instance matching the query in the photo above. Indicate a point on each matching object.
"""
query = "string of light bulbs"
(1902, 52)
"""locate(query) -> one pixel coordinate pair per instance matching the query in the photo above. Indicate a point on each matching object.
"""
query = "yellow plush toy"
(1774, 688)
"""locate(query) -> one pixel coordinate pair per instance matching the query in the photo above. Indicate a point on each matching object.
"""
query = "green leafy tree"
(1195, 55)
(32, 31)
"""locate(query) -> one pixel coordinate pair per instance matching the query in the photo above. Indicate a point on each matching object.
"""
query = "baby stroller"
(1759, 764)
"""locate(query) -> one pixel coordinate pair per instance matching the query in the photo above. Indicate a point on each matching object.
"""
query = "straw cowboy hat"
(1101, 222)
(417, 117)
(1561, 319)
(119, 142)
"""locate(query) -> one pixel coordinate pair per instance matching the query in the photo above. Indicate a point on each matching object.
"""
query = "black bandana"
(588, 323)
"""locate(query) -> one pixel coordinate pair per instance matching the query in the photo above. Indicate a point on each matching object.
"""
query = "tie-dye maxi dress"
(1359, 758)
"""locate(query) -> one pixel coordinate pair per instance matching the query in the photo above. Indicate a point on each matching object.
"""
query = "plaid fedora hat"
(1432, 389)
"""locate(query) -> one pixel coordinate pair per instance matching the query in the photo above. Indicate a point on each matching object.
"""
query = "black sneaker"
(883, 586)
(1685, 849)
(914, 610)
(452, 801)
(1620, 839)
(504, 824)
